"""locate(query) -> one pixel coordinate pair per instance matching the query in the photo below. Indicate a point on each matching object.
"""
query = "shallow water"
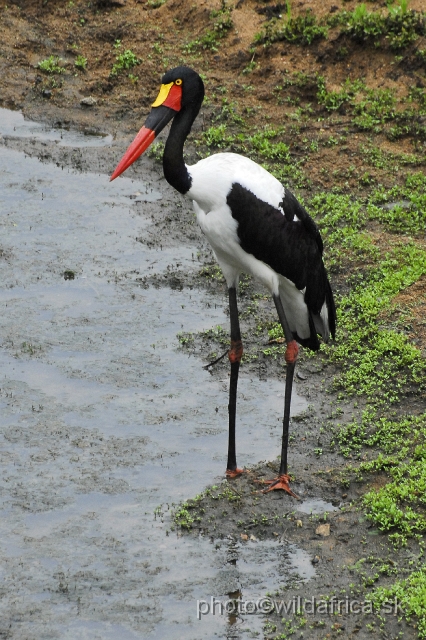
(315, 506)
(103, 418)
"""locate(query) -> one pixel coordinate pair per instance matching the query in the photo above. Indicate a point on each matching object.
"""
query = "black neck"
(174, 167)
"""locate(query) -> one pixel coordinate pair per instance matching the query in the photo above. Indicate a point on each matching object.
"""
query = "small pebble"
(88, 102)
(323, 530)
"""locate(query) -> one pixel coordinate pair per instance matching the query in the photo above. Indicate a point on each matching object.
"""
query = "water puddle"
(104, 418)
(316, 505)
(13, 125)
(270, 565)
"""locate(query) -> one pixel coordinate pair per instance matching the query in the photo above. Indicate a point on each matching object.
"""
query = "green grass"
(263, 145)
(401, 504)
(406, 205)
(377, 360)
(30, 349)
(380, 159)
(411, 596)
(399, 507)
(333, 100)
(376, 110)
(302, 30)
(396, 28)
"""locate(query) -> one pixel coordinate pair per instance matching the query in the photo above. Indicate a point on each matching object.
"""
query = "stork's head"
(181, 88)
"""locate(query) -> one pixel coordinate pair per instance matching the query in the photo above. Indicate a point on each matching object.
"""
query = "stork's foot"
(234, 473)
(282, 482)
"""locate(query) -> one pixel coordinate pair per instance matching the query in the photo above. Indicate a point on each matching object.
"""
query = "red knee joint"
(291, 352)
(235, 353)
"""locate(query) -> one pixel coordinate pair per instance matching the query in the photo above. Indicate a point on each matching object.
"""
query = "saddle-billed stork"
(254, 225)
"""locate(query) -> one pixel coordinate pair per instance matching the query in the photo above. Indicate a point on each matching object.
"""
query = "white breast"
(213, 177)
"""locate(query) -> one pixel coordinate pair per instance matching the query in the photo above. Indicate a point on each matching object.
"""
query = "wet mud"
(107, 423)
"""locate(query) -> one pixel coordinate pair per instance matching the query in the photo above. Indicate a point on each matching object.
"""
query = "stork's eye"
(178, 82)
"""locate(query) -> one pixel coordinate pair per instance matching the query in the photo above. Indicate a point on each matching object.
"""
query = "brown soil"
(31, 31)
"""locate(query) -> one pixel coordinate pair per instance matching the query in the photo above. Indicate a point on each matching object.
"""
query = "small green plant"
(30, 349)
(81, 63)
(51, 65)
(185, 338)
(156, 151)
(183, 518)
(251, 66)
(124, 61)
(155, 4)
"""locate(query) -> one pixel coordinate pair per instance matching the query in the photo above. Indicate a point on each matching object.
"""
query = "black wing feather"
(292, 248)
(292, 207)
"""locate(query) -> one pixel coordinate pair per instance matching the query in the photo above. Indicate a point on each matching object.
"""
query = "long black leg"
(282, 482)
(288, 384)
(235, 353)
(286, 419)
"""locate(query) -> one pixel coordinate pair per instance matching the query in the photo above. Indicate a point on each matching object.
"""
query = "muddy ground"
(332, 560)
